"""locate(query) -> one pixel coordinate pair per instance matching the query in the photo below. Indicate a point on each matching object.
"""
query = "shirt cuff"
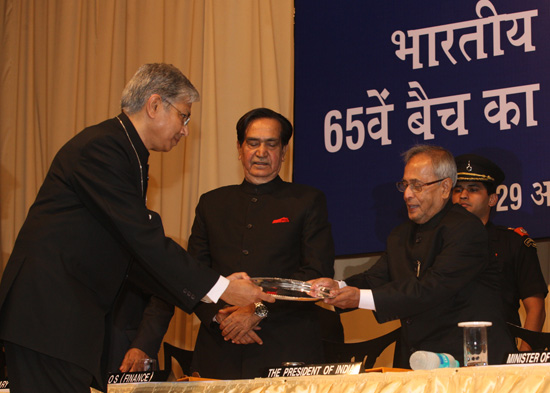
(216, 291)
(366, 300)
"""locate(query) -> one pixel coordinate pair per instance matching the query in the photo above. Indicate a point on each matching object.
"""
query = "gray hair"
(158, 78)
(443, 162)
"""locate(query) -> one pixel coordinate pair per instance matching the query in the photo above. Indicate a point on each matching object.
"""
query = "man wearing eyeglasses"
(88, 231)
(513, 249)
(435, 272)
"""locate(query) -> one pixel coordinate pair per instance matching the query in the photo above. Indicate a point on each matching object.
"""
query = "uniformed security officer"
(477, 181)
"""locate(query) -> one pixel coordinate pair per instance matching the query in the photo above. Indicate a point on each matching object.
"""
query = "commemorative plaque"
(289, 289)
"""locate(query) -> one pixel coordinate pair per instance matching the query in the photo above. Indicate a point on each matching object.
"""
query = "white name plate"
(315, 369)
(528, 357)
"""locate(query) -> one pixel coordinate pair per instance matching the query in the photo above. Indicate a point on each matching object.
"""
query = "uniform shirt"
(516, 254)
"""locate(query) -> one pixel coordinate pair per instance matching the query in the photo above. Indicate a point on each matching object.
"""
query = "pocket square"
(280, 220)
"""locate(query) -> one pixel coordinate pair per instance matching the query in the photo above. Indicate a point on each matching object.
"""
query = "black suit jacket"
(277, 229)
(87, 231)
(433, 276)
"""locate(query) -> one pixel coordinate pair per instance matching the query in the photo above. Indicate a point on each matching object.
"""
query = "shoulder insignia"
(530, 242)
(520, 231)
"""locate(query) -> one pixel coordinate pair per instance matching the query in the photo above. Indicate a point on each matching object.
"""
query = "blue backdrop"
(374, 78)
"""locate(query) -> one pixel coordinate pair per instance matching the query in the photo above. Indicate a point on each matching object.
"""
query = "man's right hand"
(238, 324)
(241, 291)
(323, 283)
(347, 297)
(129, 363)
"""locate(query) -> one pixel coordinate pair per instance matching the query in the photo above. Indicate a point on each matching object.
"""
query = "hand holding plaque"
(346, 297)
(241, 291)
(324, 284)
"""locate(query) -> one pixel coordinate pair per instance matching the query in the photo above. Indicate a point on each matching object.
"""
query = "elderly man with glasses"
(435, 272)
(89, 232)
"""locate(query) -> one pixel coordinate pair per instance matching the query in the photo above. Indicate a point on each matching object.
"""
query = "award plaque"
(288, 289)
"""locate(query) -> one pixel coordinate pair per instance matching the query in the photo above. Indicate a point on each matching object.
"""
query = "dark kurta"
(433, 276)
(276, 229)
(516, 256)
(76, 247)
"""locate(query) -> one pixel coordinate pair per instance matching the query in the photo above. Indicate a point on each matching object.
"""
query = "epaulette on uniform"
(522, 232)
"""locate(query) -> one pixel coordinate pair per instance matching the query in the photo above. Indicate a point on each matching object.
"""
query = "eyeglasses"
(184, 118)
(416, 186)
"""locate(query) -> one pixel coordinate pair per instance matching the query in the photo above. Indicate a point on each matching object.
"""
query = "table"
(501, 379)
